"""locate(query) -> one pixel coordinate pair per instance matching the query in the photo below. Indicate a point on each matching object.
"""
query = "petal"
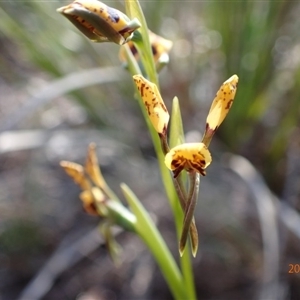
(76, 172)
(155, 106)
(99, 22)
(92, 167)
(194, 156)
(222, 103)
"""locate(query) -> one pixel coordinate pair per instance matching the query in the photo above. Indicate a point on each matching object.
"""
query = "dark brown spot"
(148, 108)
(175, 163)
(229, 104)
(142, 89)
(113, 15)
(179, 161)
(154, 50)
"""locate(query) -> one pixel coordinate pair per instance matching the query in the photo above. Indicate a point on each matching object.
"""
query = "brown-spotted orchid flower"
(189, 157)
(195, 157)
(155, 106)
(99, 200)
(99, 22)
(97, 197)
(90, 180)
(220, 107)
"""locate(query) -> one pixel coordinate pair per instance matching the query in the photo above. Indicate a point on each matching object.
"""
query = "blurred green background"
(42, 122)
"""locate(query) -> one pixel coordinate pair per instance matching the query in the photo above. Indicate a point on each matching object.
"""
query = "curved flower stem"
(189, 210)
(183, 202)
(180, 189)
(134, 10)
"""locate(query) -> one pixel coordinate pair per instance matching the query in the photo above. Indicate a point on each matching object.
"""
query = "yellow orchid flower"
(89, 195)
(155, 106)
(188, 156)
(99, 22)
(85, 177)
(220, 107)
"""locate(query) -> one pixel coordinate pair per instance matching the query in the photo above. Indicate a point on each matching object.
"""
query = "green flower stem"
(167, 180)
(154, 241)
(185, 262)
(120, 215)
(134, 10)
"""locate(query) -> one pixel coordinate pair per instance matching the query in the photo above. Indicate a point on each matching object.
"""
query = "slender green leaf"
(154, 241)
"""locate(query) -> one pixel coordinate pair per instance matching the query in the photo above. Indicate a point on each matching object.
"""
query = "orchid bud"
(99, 22)
(188, 156)
(155, 106)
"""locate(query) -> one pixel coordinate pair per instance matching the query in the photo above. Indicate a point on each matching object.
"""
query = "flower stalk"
(146, 52)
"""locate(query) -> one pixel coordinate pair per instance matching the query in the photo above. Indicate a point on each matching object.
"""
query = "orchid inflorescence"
(194, 158)
(101, 23)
